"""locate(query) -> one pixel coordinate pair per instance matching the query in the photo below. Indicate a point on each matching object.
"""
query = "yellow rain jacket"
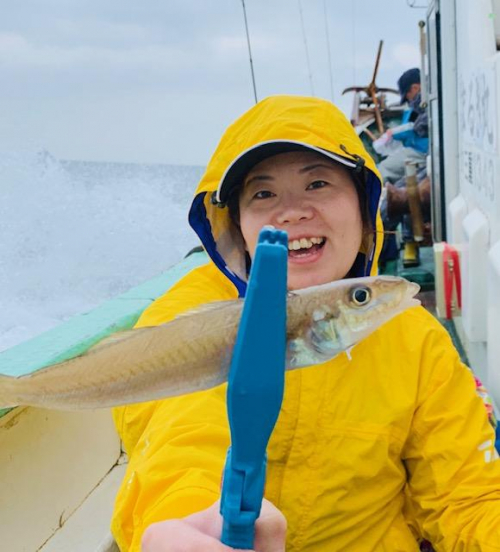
(394, 431)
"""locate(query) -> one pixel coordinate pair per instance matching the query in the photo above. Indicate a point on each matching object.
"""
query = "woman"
(372, 449)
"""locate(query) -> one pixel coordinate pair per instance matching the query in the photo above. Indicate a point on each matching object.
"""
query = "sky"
(158, 81)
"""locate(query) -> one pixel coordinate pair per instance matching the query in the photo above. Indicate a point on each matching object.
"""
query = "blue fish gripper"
(255, 388)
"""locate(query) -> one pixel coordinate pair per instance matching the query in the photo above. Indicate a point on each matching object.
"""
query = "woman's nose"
(293, 211)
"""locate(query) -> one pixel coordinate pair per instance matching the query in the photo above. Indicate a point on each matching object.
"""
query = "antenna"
(249, 51)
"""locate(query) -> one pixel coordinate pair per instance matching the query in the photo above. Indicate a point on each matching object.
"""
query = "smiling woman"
(373, 449)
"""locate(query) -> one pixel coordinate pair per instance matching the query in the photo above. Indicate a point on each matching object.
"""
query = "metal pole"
(249, 51)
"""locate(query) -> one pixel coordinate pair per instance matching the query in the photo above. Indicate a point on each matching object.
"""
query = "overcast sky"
(157, 81)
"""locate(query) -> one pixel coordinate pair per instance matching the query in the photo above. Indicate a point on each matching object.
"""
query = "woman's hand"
(202, 531)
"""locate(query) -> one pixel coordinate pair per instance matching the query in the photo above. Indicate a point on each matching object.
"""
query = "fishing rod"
(304, 38)
(413, 4)
(249, 51)
(328, 50)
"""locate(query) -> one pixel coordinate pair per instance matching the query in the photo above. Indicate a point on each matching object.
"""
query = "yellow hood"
(303, 120)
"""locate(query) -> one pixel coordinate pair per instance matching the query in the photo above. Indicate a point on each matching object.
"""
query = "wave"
(77, 233)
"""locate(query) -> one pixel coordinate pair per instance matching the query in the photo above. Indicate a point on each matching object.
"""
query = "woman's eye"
(263, 194)
(317, 184)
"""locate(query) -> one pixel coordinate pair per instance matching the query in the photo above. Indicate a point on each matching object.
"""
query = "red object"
(451, 273)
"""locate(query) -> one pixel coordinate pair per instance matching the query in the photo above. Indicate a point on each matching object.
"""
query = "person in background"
(412, 137)
(413, 133)
(373, 450)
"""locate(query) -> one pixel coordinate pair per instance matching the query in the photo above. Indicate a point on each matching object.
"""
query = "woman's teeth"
(304, 243)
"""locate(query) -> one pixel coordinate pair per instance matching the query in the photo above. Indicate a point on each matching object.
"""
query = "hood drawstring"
(360, 162)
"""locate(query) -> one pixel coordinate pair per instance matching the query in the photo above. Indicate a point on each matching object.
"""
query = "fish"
(193, 352)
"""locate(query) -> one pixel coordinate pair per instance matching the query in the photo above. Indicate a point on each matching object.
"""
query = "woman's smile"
(305, 249)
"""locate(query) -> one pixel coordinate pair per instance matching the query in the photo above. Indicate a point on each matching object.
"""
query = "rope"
(328, 49)
(306, 49)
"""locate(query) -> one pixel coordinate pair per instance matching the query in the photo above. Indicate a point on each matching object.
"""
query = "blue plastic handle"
(255, 388)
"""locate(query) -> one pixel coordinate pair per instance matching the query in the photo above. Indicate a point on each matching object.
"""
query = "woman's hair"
(233, 204)
(360, 178)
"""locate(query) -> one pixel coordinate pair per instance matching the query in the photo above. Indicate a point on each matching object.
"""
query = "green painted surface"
(451, 329)
(77, 335)
(423, 275)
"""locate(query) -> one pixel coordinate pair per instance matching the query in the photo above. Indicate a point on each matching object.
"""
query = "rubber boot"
(411, 256)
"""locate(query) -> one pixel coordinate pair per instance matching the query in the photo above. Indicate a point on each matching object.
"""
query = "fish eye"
(360, 295)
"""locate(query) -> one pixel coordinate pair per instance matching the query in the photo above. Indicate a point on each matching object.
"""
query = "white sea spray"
(76, 233)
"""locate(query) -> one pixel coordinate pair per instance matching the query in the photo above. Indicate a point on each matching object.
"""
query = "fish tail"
(8, 392)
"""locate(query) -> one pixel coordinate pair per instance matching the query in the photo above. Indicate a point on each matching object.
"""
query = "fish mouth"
(410, 295)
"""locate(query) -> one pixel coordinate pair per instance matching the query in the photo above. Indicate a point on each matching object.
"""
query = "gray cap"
(240, 167)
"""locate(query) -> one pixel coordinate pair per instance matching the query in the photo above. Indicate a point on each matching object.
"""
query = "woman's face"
(315, 201)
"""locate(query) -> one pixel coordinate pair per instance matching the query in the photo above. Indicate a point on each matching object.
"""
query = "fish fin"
(207, 307)
(119, 337)
(112, 339)
(7, 392)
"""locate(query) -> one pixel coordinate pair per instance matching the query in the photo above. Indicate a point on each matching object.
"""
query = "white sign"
(478, 171)
(477, 108)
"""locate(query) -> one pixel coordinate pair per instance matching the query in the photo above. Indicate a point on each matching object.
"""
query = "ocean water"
(74, 234)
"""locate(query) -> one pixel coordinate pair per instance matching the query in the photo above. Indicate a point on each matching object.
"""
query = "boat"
(463, 105)
(460, 268)
(59, 472)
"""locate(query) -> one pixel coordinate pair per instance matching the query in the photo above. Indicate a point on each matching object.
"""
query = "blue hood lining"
(201, 225)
